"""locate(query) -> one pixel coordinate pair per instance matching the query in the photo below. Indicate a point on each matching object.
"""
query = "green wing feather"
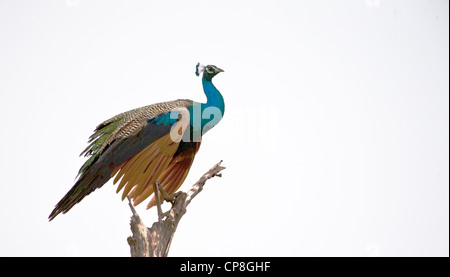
(101, 135)
(104, 130)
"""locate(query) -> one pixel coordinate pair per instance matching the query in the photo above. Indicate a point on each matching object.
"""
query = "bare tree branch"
(155, 241)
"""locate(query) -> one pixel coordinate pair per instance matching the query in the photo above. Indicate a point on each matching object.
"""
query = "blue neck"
(209, 113)
(213, 96)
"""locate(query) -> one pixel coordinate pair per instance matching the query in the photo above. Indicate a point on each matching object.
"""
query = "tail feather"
(92, 179)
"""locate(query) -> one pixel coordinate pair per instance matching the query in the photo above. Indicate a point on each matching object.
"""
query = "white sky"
(335, 135)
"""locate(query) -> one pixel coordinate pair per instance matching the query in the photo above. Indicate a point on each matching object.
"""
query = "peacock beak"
(218, 70)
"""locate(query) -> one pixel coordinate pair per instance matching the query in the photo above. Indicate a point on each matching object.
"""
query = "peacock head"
(209, 71)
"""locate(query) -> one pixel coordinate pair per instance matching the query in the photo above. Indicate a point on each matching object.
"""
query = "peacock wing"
(134, 131)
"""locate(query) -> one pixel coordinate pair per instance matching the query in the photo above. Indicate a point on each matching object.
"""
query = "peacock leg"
(157, 188)
(169, 198)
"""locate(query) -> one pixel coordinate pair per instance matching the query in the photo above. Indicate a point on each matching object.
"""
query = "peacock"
(155, 144)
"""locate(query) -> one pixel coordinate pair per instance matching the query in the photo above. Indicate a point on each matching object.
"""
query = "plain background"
(335, 135)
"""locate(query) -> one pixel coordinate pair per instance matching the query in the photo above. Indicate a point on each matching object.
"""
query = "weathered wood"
(155, 241)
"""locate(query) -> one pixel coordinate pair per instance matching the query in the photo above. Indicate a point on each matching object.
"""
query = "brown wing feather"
(174, 175)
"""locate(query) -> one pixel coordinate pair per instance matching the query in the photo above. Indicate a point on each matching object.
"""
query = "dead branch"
(155, 241)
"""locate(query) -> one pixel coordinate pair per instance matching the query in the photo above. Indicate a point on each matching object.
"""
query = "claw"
(169, 198)
(158, 189)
